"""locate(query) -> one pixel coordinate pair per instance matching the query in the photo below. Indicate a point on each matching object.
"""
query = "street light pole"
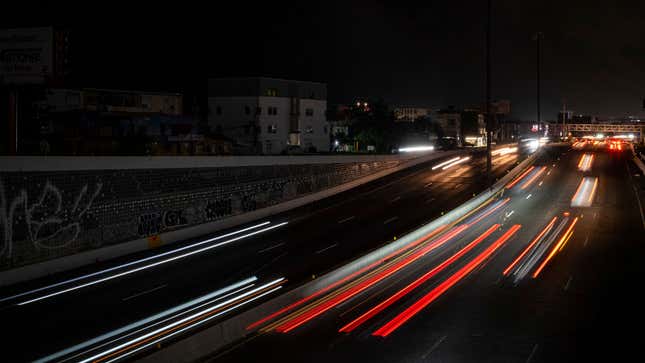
(538, 37)
(489, 119)
(564, 119)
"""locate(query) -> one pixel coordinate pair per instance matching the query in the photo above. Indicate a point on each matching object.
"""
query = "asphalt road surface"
(315, 239)
(529, 278)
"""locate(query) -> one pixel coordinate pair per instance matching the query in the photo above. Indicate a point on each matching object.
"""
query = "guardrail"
(227, 332)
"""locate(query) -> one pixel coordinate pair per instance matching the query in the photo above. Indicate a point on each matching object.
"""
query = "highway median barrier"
(210, 340)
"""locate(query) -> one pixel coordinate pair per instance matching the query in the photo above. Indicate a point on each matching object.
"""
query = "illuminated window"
(271, 92)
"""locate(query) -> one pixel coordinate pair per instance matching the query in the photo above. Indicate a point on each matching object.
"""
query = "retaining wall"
(52, 207)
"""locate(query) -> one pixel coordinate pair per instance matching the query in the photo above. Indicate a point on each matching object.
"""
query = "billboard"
(26, 55)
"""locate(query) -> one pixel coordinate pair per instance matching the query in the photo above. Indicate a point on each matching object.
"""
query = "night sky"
(430, 55)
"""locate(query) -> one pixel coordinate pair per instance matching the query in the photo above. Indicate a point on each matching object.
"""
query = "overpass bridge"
(636, 129)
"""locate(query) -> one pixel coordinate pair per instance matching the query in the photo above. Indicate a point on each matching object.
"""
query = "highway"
(245, 265)
(549, 271)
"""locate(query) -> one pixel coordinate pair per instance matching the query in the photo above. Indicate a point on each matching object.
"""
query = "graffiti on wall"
(149, 224)
(174, 219)
(47, 221)
(155, 222)
(43, 217)
(218, 208)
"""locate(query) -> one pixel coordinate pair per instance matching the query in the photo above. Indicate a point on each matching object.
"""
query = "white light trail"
(455, 163)
(191, 317)
(196, 324)
(538, 251)
(133, 262)
(585, 193)
(585, 162)
(416, 149)
(216, 295)
(504, 151)
(150, 265)
(445, 162)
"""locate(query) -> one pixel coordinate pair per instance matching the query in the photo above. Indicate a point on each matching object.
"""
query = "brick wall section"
(45, 215)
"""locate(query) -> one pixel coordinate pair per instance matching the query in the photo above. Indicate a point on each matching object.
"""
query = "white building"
(267, 115)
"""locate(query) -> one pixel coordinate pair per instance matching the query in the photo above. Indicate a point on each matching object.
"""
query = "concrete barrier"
(45, 268)
(640, 164)
(210, 340)
(85, 163)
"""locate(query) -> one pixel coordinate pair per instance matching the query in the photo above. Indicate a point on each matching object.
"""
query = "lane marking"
(529, 196)
(434, 347)
(395, 199)
(391, 220)
(273, 260)
(346, 219)
(566, 286)
(427, 185)
(272, 247)
(326, 248)
(535, 348)
(144, 292)
(430, 200)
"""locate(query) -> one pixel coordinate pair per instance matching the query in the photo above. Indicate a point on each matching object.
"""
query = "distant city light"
(630, 136)
(533, 145)
(415, 149)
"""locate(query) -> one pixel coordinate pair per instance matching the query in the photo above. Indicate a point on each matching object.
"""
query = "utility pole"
(489, 118)
(538, 37)
(564, 118)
